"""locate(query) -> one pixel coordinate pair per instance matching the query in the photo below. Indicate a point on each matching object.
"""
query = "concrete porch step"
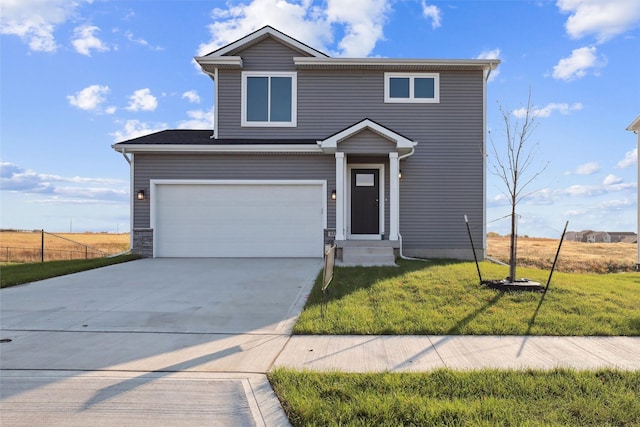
(367, 256)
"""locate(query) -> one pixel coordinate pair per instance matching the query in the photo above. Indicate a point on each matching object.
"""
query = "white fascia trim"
(222, 61)
(333, 141)
(260, 33)
(635, 125)
(248, 148)
(391, 62)
(153, 183)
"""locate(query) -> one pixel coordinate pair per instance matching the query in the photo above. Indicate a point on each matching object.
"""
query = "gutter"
(404, 156)
(492, 66)
(130, 161)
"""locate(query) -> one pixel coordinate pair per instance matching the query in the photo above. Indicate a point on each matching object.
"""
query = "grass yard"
(11, 275)
(450, 398)
(575, 257)
(445, 298)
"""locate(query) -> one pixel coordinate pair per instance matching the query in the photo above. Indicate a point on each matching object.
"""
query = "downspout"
(492, 65)
(214, 77)
(404, 156)
(130, 161)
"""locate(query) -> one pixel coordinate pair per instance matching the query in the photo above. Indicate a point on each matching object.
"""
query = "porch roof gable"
(330, 144)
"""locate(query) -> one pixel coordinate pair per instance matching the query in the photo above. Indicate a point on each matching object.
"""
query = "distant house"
(616, 237)
(570, 236)
(581, 236)
(596, 237)
(590, 236)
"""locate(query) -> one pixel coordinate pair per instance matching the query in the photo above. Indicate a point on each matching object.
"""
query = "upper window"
(413, 87)
(269, 99)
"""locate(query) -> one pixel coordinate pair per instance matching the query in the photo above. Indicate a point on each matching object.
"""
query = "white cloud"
(136, 128)
(301, 21)
(360, 23)
(363, 22)
(142, 42)
(595, 190)
(612, 180)
(604, 18)
(34, 21)
(547, 110)
(192, 96)
(576, 65)
(616, 204)
(76, 189)
(586, 169)
(198, 119)
(142, 100)
(431, 12)
(85, 40)
(491, 54)
(90, 98)
(630, 159)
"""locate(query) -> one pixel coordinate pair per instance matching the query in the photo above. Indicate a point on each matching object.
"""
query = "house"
(596, 237)
(618, 236)
(375, 153)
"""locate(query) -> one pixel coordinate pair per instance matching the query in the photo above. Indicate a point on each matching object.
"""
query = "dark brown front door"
(365, 193)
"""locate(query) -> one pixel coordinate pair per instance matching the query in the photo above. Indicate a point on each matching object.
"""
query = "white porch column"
(340, 196)
(394, 196)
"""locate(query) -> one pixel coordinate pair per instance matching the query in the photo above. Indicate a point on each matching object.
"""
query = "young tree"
(513, 165)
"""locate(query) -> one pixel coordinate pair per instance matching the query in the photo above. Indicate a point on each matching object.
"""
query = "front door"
(365, 201)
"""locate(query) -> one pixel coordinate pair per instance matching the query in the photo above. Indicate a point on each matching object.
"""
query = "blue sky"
(78, 76)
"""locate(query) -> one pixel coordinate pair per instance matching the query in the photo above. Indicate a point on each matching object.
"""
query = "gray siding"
(268, 55)
(442, 181)
(248, 166)
(366, 142)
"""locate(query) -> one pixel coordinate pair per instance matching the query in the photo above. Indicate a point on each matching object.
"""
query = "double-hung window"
(412, 87)
(269, 99)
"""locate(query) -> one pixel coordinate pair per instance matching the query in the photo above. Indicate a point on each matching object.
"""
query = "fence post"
(42, 246)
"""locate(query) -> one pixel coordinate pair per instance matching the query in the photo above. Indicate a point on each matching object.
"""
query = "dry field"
(574, 256)
(25, 246)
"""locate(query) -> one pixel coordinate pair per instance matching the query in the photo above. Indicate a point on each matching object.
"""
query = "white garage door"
(258, 219)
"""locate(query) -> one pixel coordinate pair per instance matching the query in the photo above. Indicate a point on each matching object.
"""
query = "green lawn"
(466, 398)
(16, 274)
(445, 298)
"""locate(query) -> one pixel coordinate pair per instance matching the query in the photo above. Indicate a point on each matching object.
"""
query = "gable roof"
(635, 125)
(331, 143)
(224, 56)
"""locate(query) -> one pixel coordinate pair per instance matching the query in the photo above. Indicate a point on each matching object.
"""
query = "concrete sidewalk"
(389, 353)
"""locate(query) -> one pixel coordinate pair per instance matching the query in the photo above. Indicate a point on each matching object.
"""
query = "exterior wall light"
(333, 195)
(399, 173)
(141, 195)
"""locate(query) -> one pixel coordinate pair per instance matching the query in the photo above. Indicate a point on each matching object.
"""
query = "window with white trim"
(412, 87)
(269, 99)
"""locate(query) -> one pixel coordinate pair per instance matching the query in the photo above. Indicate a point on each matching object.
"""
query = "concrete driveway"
(150, 342)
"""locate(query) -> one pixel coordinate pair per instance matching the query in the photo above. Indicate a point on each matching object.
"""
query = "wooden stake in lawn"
(327, 276)
(513, 166)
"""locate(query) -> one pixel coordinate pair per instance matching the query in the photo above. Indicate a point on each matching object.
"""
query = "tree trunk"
(513, 252)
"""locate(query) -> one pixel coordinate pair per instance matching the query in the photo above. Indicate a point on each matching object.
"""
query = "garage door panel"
(247, 220)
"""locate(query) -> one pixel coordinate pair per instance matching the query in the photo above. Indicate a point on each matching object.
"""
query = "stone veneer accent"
(143, 242)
